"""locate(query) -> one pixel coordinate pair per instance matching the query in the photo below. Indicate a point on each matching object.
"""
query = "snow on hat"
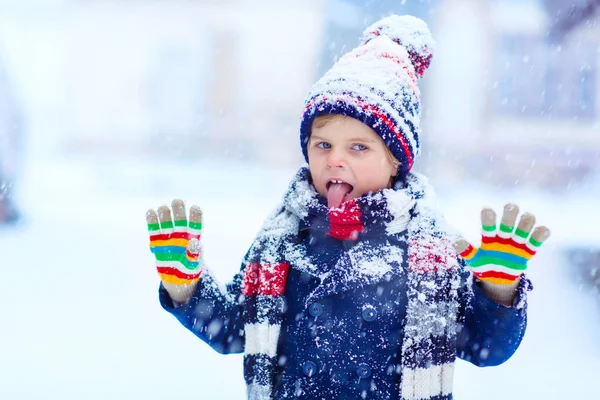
(376, 83)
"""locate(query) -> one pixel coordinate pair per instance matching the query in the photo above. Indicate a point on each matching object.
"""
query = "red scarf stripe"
(265, 280)
(345, 223)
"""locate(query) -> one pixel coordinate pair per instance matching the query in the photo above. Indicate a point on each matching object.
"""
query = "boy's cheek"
(315, 180)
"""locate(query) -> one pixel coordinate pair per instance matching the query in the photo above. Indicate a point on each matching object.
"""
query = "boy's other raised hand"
(505, 251)
(175, 243)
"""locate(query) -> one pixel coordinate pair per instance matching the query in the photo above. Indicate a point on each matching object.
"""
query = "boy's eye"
(323, 145)
(359, 147)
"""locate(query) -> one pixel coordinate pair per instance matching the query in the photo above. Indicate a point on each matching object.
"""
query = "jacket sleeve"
(214, 313)
(489, 333)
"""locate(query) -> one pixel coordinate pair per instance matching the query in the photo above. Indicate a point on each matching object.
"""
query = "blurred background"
(108, 108)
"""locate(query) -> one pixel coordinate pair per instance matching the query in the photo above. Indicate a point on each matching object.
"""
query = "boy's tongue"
(336, 193)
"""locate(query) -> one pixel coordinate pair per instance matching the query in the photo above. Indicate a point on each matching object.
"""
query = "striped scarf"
(429, 344)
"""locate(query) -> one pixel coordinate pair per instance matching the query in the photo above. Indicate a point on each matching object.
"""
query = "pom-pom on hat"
(376, 83)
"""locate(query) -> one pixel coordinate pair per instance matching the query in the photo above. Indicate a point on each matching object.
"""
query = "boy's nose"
(336, 159)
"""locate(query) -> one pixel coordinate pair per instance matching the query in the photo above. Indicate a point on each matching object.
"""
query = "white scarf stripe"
(447, 378)
(258, 392)
(261, 338)
(423, 383)
(399, 205)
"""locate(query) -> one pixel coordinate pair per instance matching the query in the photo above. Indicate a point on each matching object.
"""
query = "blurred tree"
(565, 15)
(11, 138)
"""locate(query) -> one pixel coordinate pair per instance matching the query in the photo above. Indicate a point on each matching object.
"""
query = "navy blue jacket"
(346, 345)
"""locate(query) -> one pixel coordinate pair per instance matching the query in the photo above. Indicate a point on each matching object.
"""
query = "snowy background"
(121, 112)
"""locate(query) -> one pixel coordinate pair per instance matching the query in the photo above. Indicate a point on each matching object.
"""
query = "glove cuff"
(181, 293)
(501, 293)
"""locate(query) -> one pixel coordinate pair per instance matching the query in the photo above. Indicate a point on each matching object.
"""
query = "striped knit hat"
(376, 83)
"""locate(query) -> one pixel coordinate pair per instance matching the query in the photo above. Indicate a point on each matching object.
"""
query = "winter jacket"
(356, 315)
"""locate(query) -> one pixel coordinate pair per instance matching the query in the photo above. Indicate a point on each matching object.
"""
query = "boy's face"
(346, 150)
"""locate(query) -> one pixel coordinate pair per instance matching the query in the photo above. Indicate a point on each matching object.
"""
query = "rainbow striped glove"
(176, 247)
(504, 252)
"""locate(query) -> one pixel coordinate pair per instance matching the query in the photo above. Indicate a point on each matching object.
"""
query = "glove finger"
(488, 222)
(152, 222)
(508, 221)
(538, 237)
(195, 225)
(524, 228)
(460, 245)
(164, 217)
(464, 248)
(179, 215)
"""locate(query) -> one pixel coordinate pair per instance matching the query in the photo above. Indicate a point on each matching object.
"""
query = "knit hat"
(376, 83)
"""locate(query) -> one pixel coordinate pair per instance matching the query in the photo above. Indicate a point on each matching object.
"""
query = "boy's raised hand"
(504, 251)
(176, 247)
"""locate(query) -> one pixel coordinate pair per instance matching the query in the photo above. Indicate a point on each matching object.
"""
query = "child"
(353, 288)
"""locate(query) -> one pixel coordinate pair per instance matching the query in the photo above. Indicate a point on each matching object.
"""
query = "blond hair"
(323, 119)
